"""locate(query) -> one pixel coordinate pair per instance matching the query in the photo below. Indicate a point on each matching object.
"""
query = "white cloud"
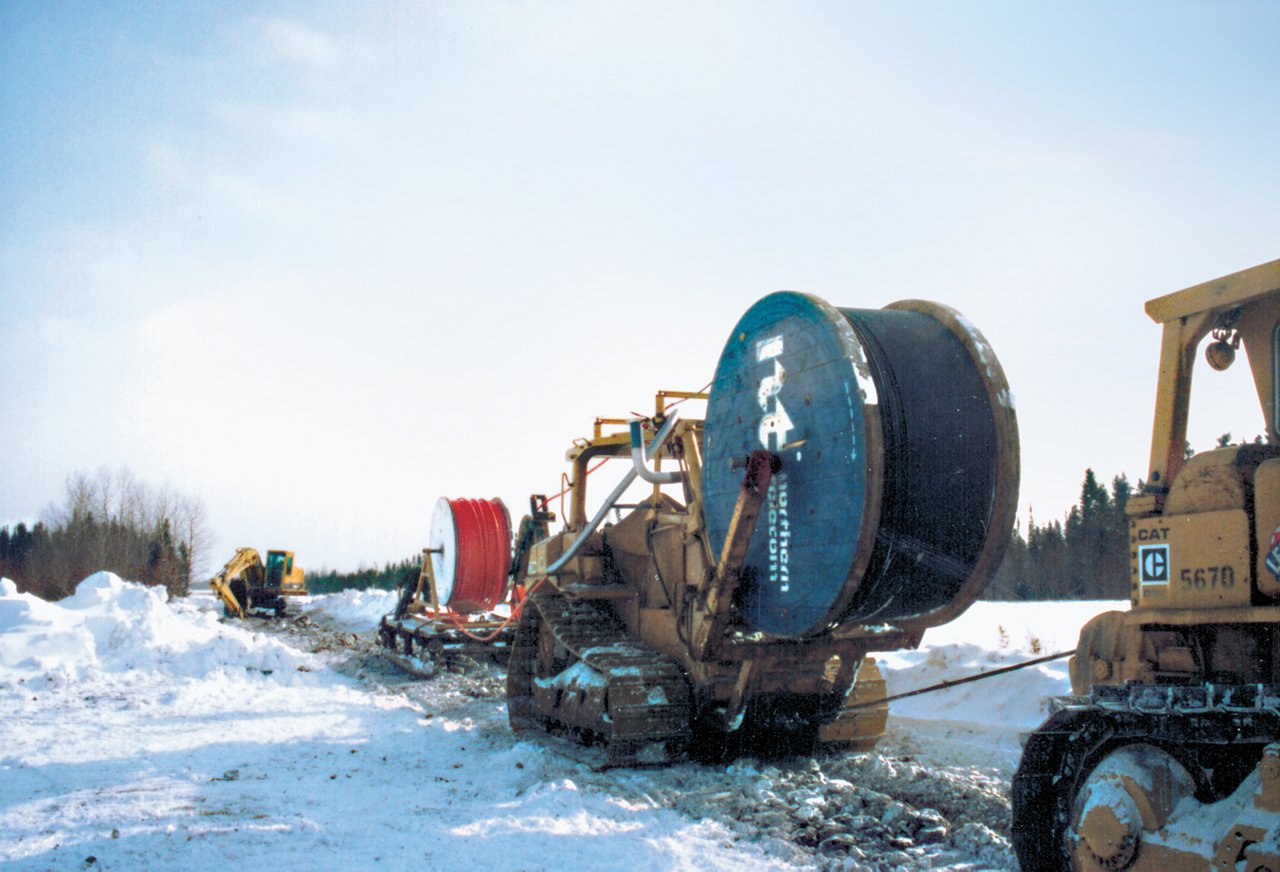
(301, 44)
(284, 121)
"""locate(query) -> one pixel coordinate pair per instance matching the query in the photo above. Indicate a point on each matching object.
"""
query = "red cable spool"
(471, 553)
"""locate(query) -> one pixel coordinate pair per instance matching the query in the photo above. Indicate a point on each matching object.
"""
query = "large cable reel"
(898, 442)
(470, 552)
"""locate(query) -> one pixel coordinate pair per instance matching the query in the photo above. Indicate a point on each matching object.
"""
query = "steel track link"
(1218, 747)
(574, 670)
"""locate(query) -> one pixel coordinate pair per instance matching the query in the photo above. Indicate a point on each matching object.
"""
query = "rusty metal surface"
(574, 670)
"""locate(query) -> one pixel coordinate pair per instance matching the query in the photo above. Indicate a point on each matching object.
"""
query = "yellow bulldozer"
(1167, 757)
(248, 586)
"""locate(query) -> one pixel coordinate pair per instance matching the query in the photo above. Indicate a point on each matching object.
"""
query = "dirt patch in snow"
(898, 808)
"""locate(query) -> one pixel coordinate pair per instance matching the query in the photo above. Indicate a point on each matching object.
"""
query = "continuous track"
(1216, 733)
(569, 672)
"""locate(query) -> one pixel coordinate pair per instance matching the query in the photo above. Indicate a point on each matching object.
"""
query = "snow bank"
(1018, 700)
(1022, 626)
(114, 626)
(354, 611)
(347, 766)
(358, 611)
(988, 636)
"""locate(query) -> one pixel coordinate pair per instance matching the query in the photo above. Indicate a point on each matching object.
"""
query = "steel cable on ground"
(943, 685)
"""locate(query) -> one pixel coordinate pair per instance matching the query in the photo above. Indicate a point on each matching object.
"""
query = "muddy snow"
(145, 733)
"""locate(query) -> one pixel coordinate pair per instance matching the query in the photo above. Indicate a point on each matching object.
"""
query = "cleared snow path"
(144, 734)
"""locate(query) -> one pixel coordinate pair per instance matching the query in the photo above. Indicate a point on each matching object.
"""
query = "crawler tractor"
(853, 483)
(248, 586)
(1167, 757)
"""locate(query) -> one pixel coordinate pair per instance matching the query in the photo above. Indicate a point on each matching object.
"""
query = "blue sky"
(322, 263)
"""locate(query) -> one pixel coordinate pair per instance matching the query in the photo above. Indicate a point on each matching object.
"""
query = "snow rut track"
(885, 810)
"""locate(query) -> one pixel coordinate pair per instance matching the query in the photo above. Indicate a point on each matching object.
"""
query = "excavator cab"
(279, 565)
(282, 576)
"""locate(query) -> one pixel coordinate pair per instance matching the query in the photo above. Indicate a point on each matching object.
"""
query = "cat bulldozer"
(247, 586)
(1167, 756)
(853, 483)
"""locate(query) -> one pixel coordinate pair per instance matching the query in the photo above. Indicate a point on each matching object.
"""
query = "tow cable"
(943, 685)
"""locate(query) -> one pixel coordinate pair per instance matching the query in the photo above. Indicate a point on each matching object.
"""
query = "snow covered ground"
(139, 733)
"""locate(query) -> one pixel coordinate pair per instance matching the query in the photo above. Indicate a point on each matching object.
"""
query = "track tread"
(1059, 755)
(648, 704)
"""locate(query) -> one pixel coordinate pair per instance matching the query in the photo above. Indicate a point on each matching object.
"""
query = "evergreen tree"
(1085, 557)
(364, 578)
(110, 522)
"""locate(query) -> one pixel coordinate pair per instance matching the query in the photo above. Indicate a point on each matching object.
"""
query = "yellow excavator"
(248, 586)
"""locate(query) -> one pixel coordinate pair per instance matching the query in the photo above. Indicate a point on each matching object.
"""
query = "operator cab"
(279, 567)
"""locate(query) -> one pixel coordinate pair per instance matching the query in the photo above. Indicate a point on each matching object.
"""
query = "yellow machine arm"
(246, 562)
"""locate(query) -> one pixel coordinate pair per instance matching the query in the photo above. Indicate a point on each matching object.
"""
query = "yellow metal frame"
(425, 605)
(1188, 316)
(733, 668)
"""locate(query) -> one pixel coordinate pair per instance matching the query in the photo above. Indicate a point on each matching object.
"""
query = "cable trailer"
(464, 602)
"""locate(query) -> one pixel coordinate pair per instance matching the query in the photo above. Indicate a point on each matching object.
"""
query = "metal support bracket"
(709, 635)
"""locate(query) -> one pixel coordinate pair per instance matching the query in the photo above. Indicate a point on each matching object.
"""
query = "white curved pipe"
(640, 457)
(617, 492)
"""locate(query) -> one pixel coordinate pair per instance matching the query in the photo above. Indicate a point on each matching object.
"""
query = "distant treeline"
(114, 522)
(1087, 557)
(386, 578)
(109, 521)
